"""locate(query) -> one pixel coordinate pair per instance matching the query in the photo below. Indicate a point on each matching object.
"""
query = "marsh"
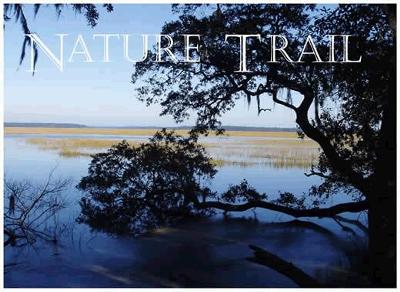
(197, 252)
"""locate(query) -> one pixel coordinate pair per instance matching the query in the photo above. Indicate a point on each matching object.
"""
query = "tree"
(353, 104)
(131, 189)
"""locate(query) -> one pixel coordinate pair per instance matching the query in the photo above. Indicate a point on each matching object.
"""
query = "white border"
(172, 2)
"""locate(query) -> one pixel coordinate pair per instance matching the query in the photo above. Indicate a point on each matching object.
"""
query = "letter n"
(59, 62)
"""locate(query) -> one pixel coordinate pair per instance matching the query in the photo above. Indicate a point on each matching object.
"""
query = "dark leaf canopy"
(339, 105)
(131, 189)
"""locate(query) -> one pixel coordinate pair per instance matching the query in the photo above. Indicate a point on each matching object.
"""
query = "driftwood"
(276, 263)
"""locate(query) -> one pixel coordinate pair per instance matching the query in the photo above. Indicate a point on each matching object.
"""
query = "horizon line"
(49, 124)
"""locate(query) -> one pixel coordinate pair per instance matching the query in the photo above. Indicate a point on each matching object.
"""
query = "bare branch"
(29, 208)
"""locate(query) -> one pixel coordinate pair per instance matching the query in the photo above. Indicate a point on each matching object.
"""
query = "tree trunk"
(382, 237)
(382, 195)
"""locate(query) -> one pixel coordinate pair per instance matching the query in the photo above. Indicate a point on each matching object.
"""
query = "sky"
(96, 94)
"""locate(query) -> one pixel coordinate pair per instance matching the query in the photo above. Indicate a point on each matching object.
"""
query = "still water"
(209, 252)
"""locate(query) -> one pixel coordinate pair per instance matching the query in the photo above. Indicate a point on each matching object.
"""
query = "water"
(209, 252)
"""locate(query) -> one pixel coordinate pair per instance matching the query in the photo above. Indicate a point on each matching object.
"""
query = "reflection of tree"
(29, 209)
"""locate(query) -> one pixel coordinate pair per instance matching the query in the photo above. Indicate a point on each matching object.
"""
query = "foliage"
(290, 200)
(242, 192)
(348, 99)
(133, 188)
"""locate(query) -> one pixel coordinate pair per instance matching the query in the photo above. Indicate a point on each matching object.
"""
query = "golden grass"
(82, 131)
(274, 151)
(298, 143)
(277, 157)
(135, 132)
(72, 153)
(75, 147)
(49, 143)
(262, 134)
(283, 163)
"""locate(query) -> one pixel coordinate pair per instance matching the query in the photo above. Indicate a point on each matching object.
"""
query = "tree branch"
(281, 102)
(353, 222)
(353, 207)
(278, 264)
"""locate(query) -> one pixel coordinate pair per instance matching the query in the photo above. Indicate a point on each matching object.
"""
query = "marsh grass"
(72, 153)
(81, 131)
(133, 132)
(276, 152)
(75, 143)
(75, 147)
(279, 141)
(277, 157)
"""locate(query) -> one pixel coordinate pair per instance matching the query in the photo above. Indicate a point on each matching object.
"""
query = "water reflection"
(208, 252)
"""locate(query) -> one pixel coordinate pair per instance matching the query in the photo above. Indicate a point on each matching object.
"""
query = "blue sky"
(96, 94)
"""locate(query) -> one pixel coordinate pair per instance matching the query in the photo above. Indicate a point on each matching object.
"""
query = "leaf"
(21, 58)
(36, 9)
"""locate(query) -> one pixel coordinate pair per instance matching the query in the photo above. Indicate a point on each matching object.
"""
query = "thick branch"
(274, 262)
(339, 164)
(281, 102)
(353, 207)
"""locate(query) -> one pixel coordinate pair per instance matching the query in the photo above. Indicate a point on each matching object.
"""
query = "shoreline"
(136, 132)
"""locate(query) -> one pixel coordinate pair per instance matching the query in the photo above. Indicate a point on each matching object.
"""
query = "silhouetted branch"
(353, 207)
(281, 102)
(344, 227)
(28, 208)
(336, 161)
(276, 263)
(354, 222)
(317, 173)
